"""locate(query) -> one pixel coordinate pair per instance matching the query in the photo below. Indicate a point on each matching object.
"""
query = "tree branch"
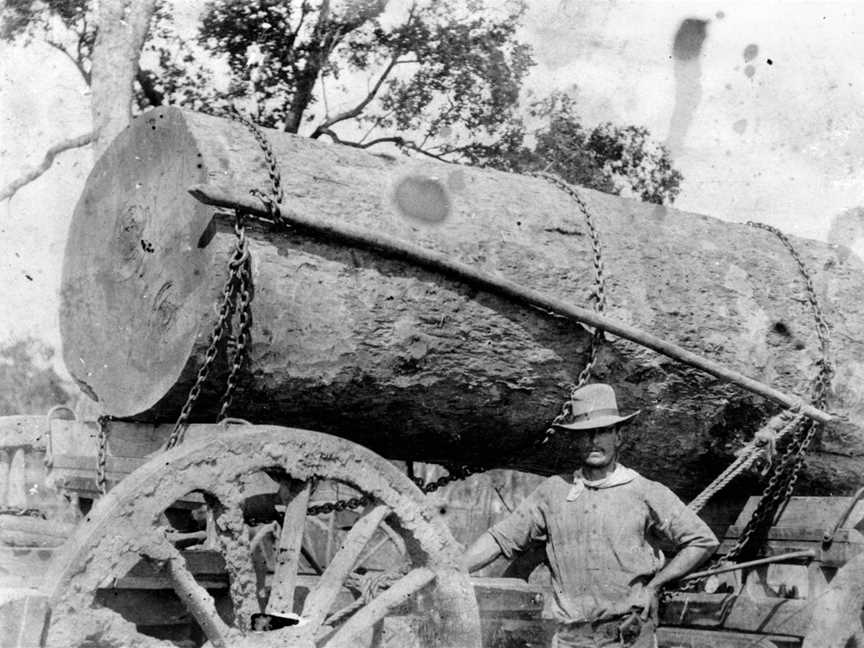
(305, 79)
(145, 79)
(356, 110)
(75, 61)
(304, 11)
(326, 36)
(76, 142)
(399, 141)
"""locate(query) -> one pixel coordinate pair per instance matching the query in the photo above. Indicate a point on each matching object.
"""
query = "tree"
(107, 59)
(442, 77)
(28, 382)
(609, 158)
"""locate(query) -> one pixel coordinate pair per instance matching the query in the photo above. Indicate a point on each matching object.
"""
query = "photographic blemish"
(422, 198)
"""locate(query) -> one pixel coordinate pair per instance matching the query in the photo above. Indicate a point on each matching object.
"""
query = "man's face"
(597, 448)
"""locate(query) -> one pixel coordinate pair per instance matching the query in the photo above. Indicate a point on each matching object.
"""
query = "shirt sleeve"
(524, 525)
(675, 522)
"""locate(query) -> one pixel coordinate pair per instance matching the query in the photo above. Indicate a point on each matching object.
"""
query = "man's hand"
(647, 601)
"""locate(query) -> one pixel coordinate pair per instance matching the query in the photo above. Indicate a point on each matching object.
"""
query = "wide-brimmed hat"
(593, 406)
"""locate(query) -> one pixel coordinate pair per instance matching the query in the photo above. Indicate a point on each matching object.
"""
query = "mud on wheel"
(127, 527)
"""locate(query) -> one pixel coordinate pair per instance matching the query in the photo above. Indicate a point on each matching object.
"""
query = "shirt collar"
(621, 475)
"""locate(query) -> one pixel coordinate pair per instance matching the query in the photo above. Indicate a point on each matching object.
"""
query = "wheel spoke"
(236, 549)
(194, 597)
(321, 599)
(331, 535)
(380, 606)
(373, 550)
(310, 558)
(295, 494)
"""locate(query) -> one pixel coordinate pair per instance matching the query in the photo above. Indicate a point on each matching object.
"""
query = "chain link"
(277, 193)
(102, 454)
(243, 294)
(20, 511)
(822, 328)
(598, 294)
(598, 297)
(454, 474)
(237, 293)
(784, 474)
(237, 266)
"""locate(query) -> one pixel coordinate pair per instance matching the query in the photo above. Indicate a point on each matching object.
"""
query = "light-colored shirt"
(601, 538)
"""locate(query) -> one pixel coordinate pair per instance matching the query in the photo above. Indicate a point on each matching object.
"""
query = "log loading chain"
(797, 420)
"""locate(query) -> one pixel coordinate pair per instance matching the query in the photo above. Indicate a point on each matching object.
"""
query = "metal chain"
(749, 454)
(20, 511)
(784, 475)
(455, 474)
(598, 294)
(243, 293)
(237, 293)
(102, 454)
(277, 193)
(769, 499)
(272, 201)
(599, 298)
(822, 328)
(238, 260)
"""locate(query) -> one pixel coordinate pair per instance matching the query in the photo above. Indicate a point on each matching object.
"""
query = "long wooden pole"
(792, 555)
(443, 264)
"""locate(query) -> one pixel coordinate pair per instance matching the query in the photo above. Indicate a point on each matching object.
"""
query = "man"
(600, 527)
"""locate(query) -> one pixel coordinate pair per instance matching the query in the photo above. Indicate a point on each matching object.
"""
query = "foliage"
(443, 62)
(609, 158)
(65, 25)
(443, 79)
(28, 382)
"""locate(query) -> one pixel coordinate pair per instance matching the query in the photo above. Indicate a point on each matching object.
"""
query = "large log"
(419, 366)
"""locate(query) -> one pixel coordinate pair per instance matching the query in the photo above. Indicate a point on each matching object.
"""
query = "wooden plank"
(509, 597)
(770, 615)
(25, 430)
(26, 531)
(5, 460)
(16, 493)
(23, 567)
(691, 638)
(803, 513)
(23, 615)
(812, 533)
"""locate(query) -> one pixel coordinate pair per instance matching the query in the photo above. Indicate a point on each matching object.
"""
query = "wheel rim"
(123, 526)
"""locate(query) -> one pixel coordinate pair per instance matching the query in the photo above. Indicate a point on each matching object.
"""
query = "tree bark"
(419, 366)
(123, 26)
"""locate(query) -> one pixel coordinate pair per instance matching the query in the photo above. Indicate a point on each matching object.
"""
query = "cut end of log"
(133, 266)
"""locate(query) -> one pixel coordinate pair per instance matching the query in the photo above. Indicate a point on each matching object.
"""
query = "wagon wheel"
(321, 540)
(123, 528)
(323, 536)
(837, 613)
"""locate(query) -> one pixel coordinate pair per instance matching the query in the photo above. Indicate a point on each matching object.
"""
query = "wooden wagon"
(294, 530)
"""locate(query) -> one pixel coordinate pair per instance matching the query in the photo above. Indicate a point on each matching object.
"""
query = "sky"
(762, 104)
